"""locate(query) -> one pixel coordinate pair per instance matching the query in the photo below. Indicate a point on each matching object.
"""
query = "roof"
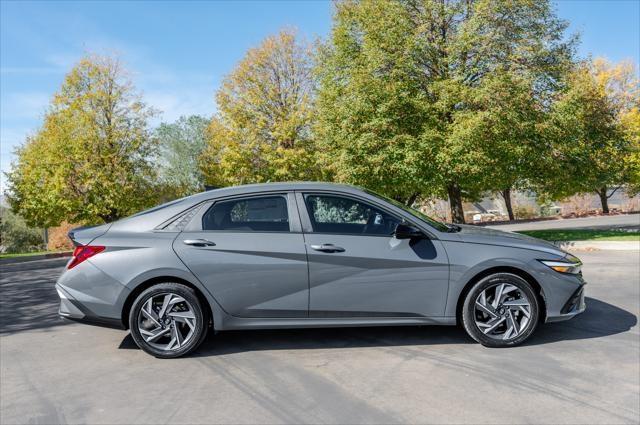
(150, 218)
(273, 187)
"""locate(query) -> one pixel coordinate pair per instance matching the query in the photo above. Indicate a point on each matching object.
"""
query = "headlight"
(572, 258)
(569, 264)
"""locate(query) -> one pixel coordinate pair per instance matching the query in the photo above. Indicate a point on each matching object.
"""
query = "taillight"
(81, 253)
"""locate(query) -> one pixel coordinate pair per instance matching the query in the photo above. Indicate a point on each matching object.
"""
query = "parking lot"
(582, 371)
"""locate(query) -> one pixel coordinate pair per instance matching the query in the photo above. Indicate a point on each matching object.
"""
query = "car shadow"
(599, 320)
(229, 342)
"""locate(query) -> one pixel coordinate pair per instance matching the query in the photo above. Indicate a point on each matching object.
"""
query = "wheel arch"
(503, 269)
(141, 287)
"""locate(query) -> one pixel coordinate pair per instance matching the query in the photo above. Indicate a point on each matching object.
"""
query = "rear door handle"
(327, 247)
(198, 242)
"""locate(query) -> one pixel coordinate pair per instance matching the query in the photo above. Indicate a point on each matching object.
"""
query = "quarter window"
(336, 214)
(264, 214)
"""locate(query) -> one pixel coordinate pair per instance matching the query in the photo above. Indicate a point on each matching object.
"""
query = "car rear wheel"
(500, 310)
(167, 320)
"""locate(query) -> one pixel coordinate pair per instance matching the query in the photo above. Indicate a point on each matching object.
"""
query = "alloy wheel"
(167, 321)
(502, 311)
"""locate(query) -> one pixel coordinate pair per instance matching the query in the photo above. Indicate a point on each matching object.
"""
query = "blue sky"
(178, 52)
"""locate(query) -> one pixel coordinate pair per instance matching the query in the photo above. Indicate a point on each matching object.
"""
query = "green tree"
(505, 121)
(261, 131)
(398, 82)
(630, 121)
(594, 136)
(623, 86)
(374, 124)
(90, 160)
(181, 143)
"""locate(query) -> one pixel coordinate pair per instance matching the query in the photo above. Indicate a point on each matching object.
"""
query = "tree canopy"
(262, 130)
(398, 82)
(413, 99)
(181, 143)
(91, 159)
(595, 134)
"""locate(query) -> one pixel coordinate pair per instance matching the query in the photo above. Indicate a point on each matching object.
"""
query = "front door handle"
(198, 242)
(327, 247)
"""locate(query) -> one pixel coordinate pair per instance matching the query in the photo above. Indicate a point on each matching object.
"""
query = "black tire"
(469, 311)
(201, 319)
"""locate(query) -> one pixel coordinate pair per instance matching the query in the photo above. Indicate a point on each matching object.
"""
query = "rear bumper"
(72, 309)
(88, 295)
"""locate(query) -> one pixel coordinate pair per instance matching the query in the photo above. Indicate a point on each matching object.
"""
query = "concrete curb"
(28, 258)
(554, 218)
(599, 245)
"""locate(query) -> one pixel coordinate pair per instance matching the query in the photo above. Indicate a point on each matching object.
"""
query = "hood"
(482, 235)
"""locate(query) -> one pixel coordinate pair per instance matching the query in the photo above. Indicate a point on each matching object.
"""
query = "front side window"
(416, 213)
(337, 214)
(264, 214)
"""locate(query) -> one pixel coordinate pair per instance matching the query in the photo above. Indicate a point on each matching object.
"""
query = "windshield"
(433, 223)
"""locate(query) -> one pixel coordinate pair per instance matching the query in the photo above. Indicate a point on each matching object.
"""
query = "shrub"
(17, 236)
(58, 239)
(525, 212)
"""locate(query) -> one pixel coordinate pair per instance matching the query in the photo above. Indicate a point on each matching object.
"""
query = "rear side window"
(336, 214)
(263, 214)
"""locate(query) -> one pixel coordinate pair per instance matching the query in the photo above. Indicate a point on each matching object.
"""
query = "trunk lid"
(84, 235)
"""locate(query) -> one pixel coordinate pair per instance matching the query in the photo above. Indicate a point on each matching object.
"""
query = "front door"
(358, 269)
(248, 254)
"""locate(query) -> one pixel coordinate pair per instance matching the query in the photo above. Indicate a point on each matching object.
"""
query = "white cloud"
(162, 87)
(62, 61)
(10, 139)
(16, 110)
(175, 102)
(176, 94)
(34, 70)
(24, 105)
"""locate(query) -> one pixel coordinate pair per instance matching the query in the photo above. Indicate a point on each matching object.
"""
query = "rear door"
(358, 269)
(249, 252)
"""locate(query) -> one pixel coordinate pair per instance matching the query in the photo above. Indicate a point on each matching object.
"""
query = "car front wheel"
(167, 320)
(500, 310)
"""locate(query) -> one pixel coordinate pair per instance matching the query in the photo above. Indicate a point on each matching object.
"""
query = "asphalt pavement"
(582, 371)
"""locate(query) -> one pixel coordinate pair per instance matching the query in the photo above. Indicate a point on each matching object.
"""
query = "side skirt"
(237, 323)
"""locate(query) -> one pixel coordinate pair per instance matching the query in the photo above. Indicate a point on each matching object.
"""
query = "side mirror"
(406, 231)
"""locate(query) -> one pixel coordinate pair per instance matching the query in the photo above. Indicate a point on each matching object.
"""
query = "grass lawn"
(583, 235)
(27, 254)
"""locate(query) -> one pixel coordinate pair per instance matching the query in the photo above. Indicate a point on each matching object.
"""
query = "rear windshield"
(158, 208)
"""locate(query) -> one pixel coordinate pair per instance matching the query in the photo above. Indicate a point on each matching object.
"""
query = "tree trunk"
(604, 199)
(506, 194)
(455, 203)
(411, 200)
(111, 216)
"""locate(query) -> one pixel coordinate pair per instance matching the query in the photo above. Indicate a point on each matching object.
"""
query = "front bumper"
(574, 306)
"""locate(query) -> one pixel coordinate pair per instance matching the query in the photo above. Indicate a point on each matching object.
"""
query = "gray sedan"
(295, 255)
